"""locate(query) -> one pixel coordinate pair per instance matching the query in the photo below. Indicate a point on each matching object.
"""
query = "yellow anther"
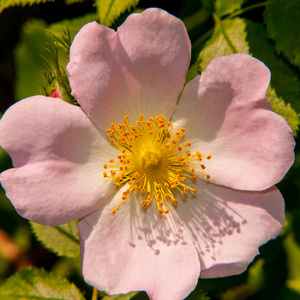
(148, 161)
(114, 211)
(144, 203)
(174, 201)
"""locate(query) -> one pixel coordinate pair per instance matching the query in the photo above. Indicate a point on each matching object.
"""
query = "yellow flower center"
(154, 161)
(151, 162)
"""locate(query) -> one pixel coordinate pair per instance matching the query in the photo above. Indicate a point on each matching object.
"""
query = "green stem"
(95, 294)
(243, 10)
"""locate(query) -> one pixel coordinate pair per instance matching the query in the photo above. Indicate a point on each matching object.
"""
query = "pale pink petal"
(138, 249)
(228, 225)
(227, 116)
(58, 157)
(139, 69)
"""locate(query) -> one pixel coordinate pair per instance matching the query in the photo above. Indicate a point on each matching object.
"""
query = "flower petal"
(140, 68)
(226, 115)
(228, 226)
(138, 249)
(58, 155)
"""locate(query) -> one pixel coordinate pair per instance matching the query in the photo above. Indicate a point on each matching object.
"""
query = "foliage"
(110, 10)
(63, 239)
(282, 19)
(267, 30)
(31, 283)
(8, 3)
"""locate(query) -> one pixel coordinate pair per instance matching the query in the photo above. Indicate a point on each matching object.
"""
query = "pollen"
(154, 161)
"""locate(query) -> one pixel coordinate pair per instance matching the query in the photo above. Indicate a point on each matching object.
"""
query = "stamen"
(154, 161)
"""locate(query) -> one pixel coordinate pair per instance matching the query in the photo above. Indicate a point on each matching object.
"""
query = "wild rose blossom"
(166, 193)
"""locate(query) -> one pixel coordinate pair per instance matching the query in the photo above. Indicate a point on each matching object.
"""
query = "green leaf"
(229, 37)
(69, 2)
(32, 283)
(121, 296)
(244, 36)
(62, 239)
(110, 10)
(285, 80)
(29, 64)
(7, 3)
(282, 19)
(283, 109)
(223, 8)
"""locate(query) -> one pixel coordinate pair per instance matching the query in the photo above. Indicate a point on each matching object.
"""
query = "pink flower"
(185, 192)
